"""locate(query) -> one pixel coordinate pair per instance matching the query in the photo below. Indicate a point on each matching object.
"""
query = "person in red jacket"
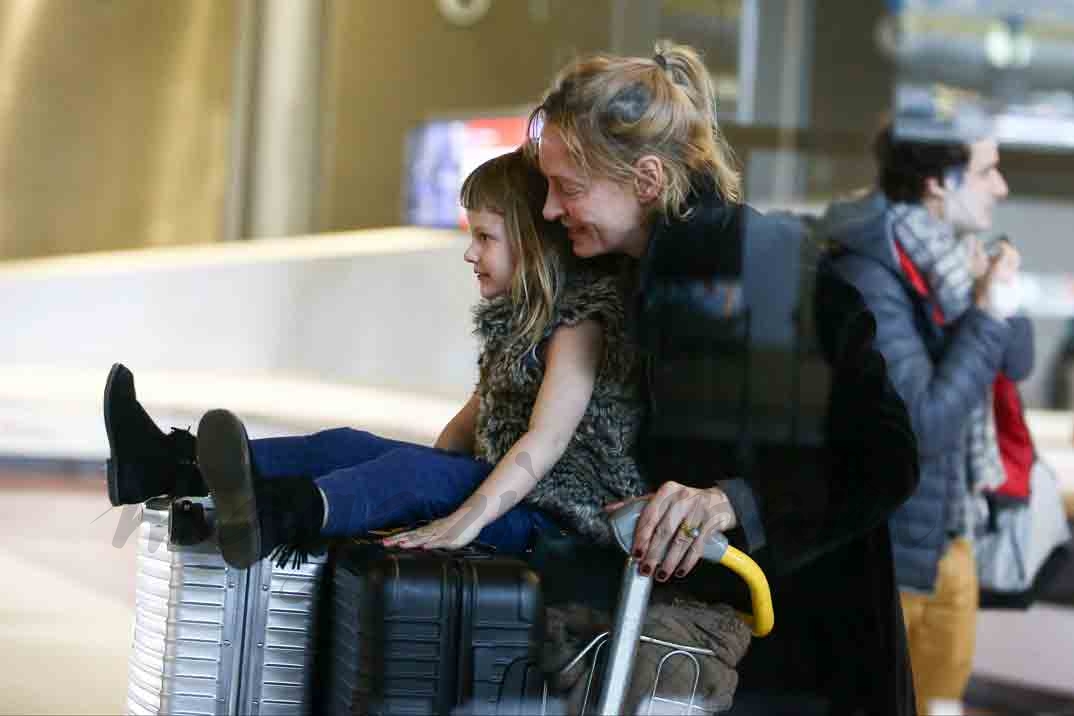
(944, 332)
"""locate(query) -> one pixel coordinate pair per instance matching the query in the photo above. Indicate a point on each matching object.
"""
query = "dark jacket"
(813, 514)
(941, 372)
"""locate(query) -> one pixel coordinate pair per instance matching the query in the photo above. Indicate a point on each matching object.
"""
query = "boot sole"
(112, 465)
(224, 458)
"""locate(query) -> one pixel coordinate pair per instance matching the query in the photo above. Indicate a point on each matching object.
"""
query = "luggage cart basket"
(617, 649)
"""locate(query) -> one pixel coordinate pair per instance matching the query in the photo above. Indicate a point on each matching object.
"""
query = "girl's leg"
(319, 453)
(414, 484)
(400, 487)
(143, 462)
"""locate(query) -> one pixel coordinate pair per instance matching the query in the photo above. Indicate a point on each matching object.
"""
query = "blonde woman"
(636, 165)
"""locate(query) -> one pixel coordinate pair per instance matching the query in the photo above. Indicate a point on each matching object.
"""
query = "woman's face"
(601, 216)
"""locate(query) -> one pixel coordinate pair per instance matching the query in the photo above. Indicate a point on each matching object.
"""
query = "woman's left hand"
(670, 535)
(451, 532)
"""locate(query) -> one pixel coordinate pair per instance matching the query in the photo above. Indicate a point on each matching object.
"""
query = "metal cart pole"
(634, 596)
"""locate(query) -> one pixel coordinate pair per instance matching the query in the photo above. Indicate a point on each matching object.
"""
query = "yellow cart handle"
(763, 617)
(717, 550)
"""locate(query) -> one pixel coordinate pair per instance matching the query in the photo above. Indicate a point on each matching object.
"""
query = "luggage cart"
(170, 532)
(622, 642)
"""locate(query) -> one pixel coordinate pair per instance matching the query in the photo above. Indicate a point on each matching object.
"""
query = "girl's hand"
(670, 535)
(452, 532)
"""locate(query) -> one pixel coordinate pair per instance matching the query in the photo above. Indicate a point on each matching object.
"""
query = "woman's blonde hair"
(512, 186)
(613, 110)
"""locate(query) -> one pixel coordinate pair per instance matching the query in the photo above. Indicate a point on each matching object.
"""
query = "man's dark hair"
(905, 164)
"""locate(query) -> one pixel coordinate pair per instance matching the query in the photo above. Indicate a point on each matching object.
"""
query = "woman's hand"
(670, 535)
(452, 532)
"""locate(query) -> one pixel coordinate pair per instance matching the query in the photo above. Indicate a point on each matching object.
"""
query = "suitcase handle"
(189, 522)
(474, 550)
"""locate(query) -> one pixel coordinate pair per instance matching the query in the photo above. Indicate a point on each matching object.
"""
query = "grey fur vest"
(598, 465)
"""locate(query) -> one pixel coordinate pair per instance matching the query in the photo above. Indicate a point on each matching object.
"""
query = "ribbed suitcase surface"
(210, 639)
(501, 624)
(424, 633)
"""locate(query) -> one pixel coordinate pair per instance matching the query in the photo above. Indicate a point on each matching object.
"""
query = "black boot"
(144, 462)
(254, 517)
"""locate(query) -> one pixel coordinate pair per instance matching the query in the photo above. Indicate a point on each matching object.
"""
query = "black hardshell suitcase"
(430, 632)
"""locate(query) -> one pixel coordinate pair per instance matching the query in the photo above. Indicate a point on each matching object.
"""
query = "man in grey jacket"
(908, 247)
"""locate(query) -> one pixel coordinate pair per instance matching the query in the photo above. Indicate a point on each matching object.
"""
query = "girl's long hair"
(512, 186)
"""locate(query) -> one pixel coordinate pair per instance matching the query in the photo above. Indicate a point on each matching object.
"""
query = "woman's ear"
(648, 178)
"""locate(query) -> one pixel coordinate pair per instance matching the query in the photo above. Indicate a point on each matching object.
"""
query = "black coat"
(813, 515)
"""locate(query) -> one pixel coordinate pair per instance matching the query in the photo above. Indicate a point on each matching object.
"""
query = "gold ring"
(690, 531)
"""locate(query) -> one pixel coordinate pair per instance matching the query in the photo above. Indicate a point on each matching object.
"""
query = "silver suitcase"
(210, 639)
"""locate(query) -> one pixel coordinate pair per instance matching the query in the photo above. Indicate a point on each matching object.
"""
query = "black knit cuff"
(750, 531)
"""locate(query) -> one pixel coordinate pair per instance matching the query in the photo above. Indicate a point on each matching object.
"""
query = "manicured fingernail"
(645, 569)
(661, 575)
(680, 573)
(638, 553)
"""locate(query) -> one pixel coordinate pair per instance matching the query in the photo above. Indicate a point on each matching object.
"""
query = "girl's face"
(490, 252)
(601, 216)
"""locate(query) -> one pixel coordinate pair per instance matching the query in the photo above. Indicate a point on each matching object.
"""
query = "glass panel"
(390, 67)
(985, 66)
(114, 123)
(713, 27)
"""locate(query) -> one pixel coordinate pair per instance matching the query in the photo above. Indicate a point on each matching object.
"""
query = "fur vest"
(598, 466)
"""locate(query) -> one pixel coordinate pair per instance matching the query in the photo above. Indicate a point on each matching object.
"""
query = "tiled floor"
(66, 608)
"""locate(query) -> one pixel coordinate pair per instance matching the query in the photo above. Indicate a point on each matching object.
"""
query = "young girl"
(547, 436)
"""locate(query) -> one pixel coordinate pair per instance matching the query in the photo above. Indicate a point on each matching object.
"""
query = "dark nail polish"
(680, 573)
(638, 554)
(645, 569)
(661, 576)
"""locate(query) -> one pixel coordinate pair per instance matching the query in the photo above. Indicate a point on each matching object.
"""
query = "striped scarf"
(944, 261)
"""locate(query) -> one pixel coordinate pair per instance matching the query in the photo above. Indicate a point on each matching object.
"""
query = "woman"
(636, 165)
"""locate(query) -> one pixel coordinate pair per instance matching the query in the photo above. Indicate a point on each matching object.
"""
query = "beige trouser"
(941, 628)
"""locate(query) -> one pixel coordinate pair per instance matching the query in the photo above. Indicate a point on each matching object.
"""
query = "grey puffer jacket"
(941, 373)
(598, 466)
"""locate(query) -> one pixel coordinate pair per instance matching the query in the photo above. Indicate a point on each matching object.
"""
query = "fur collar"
(598, 466)
(691, 247)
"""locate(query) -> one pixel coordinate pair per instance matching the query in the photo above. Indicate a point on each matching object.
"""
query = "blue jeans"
(370, 482)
